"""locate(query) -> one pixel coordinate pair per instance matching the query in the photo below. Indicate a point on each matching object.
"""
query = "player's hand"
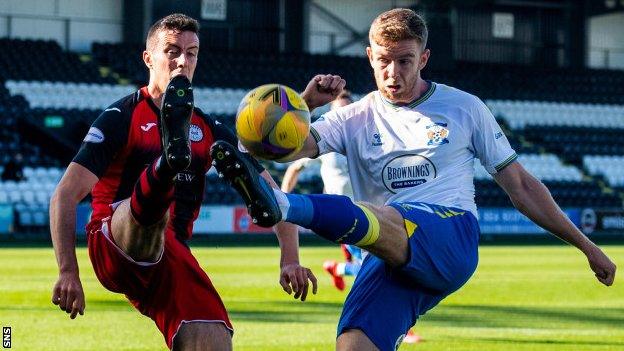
(68, 294)
(296, 278)
(602, 266)
(322, 89)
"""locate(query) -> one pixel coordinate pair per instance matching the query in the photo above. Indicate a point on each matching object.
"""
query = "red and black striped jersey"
(125, 139)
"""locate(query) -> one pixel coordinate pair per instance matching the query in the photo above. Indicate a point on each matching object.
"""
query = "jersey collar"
(419, 100)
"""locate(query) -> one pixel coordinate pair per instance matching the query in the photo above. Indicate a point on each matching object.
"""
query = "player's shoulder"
(124, 106)
(357, 108)
(207, 119)
(449, 94)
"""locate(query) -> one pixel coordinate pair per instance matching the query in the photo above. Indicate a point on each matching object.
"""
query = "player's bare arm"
(533, 199)
(76, 183)
(322, 89)
(294, 278)
(291, 176)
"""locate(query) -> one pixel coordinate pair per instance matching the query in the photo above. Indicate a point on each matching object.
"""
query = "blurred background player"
(335, 175)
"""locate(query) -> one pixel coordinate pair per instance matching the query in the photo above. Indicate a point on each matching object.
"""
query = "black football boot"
(245, 179)
(175, 119)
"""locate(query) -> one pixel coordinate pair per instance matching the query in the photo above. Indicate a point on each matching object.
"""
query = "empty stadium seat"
(548, 114)
(610, 167)
(44, 60)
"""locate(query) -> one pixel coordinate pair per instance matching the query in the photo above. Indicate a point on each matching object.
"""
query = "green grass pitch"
(520, 298)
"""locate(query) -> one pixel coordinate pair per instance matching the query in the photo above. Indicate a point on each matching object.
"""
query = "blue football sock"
(300, 210)
(334, 217)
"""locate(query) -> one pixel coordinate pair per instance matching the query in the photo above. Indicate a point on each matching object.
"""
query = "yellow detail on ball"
(245, 125)
(286, 132)
(272, 122)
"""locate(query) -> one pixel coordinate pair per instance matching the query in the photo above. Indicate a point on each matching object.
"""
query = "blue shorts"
(385, 303)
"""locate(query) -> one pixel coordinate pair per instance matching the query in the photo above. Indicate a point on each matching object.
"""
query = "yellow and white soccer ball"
(272, 122)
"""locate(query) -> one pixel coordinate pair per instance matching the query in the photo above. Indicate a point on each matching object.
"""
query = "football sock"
(340, 269)
(333, 217)
(351, 268)
(152, 193)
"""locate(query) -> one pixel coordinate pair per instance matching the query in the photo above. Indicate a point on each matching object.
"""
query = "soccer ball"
(272, 122)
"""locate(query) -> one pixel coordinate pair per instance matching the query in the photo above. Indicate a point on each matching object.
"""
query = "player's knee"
(141, 243)
(354, 339)
(144, 247)
(392, 245)
(202, 336)
(375, 209)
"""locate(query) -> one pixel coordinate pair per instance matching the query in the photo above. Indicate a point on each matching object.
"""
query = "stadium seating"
(572, 143)
(81, 96)
(531, 83)
(247, 70)
(44, 60)
(556, 114)
(609, 167)
(31, 197)
(542, 166)
(565, 182)
(68, 95)
(566, 125)
(242, 70)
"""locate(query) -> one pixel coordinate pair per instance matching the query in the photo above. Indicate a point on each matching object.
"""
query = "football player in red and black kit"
(144, 161)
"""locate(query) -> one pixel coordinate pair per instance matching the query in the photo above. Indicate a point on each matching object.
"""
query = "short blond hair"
(398, 24)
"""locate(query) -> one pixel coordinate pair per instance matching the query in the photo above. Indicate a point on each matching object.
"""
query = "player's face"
(397, 68)
(174, 53)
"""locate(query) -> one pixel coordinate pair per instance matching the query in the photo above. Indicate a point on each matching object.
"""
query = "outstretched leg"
(379, 230)
(138, 223)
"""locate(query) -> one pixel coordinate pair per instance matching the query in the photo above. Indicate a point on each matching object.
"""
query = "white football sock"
(340, 269)
(282, 201)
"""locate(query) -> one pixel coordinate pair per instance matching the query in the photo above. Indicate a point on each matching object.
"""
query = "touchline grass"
(520, 298)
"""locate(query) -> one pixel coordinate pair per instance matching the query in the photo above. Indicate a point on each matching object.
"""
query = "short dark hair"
(175, 21)
(396, 25)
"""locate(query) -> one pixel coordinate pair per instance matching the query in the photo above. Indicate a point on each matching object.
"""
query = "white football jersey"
(423, 151)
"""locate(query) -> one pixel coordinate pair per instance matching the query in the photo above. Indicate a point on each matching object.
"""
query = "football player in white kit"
(410, 145)
(336, 180)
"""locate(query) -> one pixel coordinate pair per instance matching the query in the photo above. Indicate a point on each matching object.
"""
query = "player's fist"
(322, 89)
(602, 266)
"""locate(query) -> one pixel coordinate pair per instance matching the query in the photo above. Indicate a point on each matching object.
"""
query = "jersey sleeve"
(221, 132)
(329, 133)
(489, 142)
(107, 135)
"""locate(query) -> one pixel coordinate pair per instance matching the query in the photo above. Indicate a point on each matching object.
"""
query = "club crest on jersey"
(407, 171)
(377, 140)
(195, 133)
(437, 134)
